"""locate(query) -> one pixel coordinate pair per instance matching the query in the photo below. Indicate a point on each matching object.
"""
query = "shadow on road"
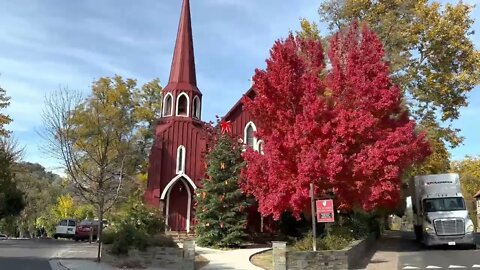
(24, 264)
(404, 241)
(391, 241)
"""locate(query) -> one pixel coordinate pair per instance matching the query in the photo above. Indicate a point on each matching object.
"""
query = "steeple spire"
(182, 73)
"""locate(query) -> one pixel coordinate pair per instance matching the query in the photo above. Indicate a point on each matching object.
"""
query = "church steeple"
(181, 96)
(182, 73)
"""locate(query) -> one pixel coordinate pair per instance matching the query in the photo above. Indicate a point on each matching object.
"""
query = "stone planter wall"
(359, 249)
(347, 258)
(161, 257)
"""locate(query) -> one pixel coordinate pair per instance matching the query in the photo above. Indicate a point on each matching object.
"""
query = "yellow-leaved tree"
(65, 208)
(102, 139)
(469, 171)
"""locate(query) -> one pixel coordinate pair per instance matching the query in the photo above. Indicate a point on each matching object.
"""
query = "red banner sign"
(325, 212)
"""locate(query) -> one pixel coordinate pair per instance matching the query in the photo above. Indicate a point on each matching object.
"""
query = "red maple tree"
(343, 128)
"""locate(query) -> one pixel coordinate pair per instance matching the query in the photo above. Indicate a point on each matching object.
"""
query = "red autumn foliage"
(343, 129)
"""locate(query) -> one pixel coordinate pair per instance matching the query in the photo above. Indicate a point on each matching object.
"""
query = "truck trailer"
(439, 211)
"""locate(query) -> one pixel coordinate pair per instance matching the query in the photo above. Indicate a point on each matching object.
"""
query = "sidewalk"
(78, 257)
(388, 249)
(82, 257)
(238, 259)
(70, 264)
(74, 264)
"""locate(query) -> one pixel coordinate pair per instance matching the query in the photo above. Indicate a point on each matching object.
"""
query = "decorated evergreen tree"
(221, 206)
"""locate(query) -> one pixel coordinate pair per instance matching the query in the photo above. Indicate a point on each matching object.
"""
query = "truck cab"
(440, 212)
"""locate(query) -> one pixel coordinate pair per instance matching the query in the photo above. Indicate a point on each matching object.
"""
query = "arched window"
(260, 147)
(196, 107)
(249, 138)
(181, 152)
(182, 105)
(168, 105)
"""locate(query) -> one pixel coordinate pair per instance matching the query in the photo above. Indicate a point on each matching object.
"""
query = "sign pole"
(314, 227)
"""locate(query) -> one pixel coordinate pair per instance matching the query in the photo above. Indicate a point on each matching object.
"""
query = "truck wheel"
(418, 233)
(55, 236)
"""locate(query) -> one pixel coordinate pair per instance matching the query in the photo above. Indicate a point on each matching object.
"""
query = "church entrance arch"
(178, 205)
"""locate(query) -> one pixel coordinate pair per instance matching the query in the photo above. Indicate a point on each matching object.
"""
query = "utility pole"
(314, 227)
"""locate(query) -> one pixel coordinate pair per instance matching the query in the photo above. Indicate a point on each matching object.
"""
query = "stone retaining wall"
(347, 258)
(161, 257)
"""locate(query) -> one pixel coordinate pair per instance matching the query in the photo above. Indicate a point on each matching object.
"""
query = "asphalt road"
(412, 255)
(34, 254)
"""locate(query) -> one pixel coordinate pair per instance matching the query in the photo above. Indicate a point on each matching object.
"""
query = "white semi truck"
(439, 211)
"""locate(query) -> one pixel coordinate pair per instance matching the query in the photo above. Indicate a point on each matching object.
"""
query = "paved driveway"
(34, 254)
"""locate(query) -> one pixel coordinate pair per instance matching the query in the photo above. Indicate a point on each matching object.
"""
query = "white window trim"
(181, 169)
(257, 146)
(245, 141)
(188, 105)
(196, 113)
(171, 105)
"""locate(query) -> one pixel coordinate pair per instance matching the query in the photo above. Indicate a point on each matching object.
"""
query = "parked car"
(84, 228)
(3, 237)
(65, 229)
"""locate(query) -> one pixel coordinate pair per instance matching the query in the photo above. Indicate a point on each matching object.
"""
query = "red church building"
(176, 164)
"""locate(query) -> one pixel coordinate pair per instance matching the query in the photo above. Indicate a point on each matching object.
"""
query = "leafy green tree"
(469, 171)
(431, 56)
(84, 211)
(97, 138)
(11, 200)
(147, 102)
(221, 205)
(40, 191)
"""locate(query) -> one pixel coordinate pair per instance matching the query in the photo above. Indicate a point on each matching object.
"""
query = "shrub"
(305, 243)
(136, 226)
(137, 214)
(108, 237)
(337, 238)
(161, 240)
(359, 223)
(141, 240)
(128, 236)
(119, 247)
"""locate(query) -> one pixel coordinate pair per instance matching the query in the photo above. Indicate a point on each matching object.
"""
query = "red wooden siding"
(239, 117)
(163, 159)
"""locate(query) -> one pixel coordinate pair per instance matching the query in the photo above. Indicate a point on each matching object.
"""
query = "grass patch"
(263, 260)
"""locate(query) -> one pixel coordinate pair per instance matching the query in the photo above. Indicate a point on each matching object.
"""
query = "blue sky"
(47, 44)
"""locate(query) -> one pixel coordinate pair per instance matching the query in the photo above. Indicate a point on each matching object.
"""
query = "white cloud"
(70, 43)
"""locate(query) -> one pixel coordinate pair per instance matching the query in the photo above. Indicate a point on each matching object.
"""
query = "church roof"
(182, 73)
(250, 93)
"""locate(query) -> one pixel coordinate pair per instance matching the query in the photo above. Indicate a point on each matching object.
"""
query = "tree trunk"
(99, 233)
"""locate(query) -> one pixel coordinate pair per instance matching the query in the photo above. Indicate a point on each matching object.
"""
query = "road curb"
(57, 265)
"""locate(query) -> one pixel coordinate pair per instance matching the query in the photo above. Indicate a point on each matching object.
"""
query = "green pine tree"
(221, 206)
